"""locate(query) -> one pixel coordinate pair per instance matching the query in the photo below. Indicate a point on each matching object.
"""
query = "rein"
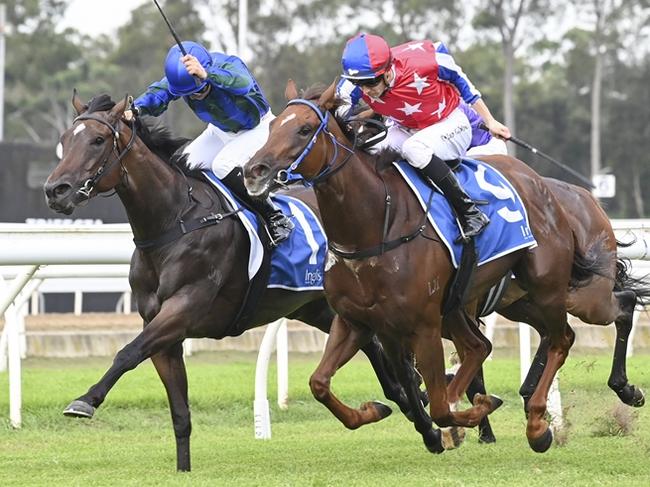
(286, 176)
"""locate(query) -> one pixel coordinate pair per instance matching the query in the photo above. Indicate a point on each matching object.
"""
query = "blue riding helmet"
(182, 83)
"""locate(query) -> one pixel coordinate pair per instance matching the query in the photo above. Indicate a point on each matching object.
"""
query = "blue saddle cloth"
(508, 229)
(297, 263)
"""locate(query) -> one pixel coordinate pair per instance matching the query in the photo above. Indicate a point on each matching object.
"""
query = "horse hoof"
(433, 441)
(485, 438)
(492, 402)
(632, 396)
(382, 410)
(79, 409)
(496, 402)
(452, 437)
(639, 398)
(543, 443)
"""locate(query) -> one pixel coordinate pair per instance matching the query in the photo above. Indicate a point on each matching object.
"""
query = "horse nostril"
(58, 190)
(260, 170)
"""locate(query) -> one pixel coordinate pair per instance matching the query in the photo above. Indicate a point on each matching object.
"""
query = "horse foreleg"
(171, 368)
(343, 343)
(166, 329)
(618, 381)
(429, 353)
(394, 388)
(402, 363)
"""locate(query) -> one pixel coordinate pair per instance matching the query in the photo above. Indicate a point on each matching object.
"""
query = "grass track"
(130, 440)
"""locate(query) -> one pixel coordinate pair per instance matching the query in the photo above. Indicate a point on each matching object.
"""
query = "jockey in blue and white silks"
(222, 92)
(420, 88)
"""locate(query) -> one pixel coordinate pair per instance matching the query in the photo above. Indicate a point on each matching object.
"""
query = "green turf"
(130, 440)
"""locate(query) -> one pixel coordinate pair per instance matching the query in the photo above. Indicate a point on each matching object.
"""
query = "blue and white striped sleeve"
(350, 95)
(449, 71)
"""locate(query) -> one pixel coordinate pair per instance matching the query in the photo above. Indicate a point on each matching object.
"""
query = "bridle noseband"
(91, 182)
(288, 176)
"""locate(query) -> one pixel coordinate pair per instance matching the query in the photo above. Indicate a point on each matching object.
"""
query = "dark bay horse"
(192, 286)
(398, 293)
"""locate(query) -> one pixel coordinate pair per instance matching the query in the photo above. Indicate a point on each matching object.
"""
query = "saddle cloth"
(508, 230)
(297, 263)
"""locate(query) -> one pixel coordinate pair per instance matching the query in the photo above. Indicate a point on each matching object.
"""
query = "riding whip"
(171, 29)
(532, 149)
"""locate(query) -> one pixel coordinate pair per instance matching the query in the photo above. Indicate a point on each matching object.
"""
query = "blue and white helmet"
(182, 83)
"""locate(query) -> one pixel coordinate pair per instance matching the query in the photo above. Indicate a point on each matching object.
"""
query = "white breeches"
(495, 146)
(223, 151)
(448, 139)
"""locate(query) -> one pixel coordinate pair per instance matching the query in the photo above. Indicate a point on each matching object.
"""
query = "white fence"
(105, 251)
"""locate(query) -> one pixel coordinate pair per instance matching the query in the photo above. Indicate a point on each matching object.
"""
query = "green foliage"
(303, 40)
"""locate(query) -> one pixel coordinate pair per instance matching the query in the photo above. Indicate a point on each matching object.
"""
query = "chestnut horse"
(191, 285)
(397, 292)
(610, 296)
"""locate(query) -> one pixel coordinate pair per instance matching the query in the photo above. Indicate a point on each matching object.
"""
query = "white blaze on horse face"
(59, 151)
(79, 129)
(287, 119)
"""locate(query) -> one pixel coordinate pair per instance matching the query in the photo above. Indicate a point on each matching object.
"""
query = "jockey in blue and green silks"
(222, 92)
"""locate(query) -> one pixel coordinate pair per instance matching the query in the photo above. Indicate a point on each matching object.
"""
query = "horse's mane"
(383, 159)
(154, 135)
(159, 139)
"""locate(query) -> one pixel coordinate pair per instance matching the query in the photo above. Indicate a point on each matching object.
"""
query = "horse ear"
(118, 110)
(78, 105)
(291, 91)
(328, 97)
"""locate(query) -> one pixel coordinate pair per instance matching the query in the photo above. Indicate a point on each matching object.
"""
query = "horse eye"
(98, 140)
(305, 130)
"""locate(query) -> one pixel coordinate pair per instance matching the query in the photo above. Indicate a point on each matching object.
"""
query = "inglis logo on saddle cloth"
(313, 277)
(298, 262)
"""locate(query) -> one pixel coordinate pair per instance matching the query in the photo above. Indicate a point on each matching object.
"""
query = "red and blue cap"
(365, 56)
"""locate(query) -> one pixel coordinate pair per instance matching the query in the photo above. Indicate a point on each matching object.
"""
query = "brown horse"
(187, 284)
(609, 296)
(397, 291)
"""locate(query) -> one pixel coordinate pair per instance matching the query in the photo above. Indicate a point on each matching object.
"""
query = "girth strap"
(182, 228)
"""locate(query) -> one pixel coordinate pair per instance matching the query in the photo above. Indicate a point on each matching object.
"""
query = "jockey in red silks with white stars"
(420, 88)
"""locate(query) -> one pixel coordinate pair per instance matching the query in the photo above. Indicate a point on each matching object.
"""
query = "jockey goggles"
(369, 82)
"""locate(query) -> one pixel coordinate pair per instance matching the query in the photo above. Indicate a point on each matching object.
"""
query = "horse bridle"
(329, 170)
(287, 176)
(91, 182)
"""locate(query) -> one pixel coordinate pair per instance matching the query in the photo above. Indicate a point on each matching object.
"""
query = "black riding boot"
(472, 220)
(278, 224)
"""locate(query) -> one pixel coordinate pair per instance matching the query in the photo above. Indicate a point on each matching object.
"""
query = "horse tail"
(625, 282)
(595, 262)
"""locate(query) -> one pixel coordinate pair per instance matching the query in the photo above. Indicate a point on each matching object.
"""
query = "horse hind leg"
(618, 381)
(477, 386)
(343, 343)
(473, 348)
(171, 368)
